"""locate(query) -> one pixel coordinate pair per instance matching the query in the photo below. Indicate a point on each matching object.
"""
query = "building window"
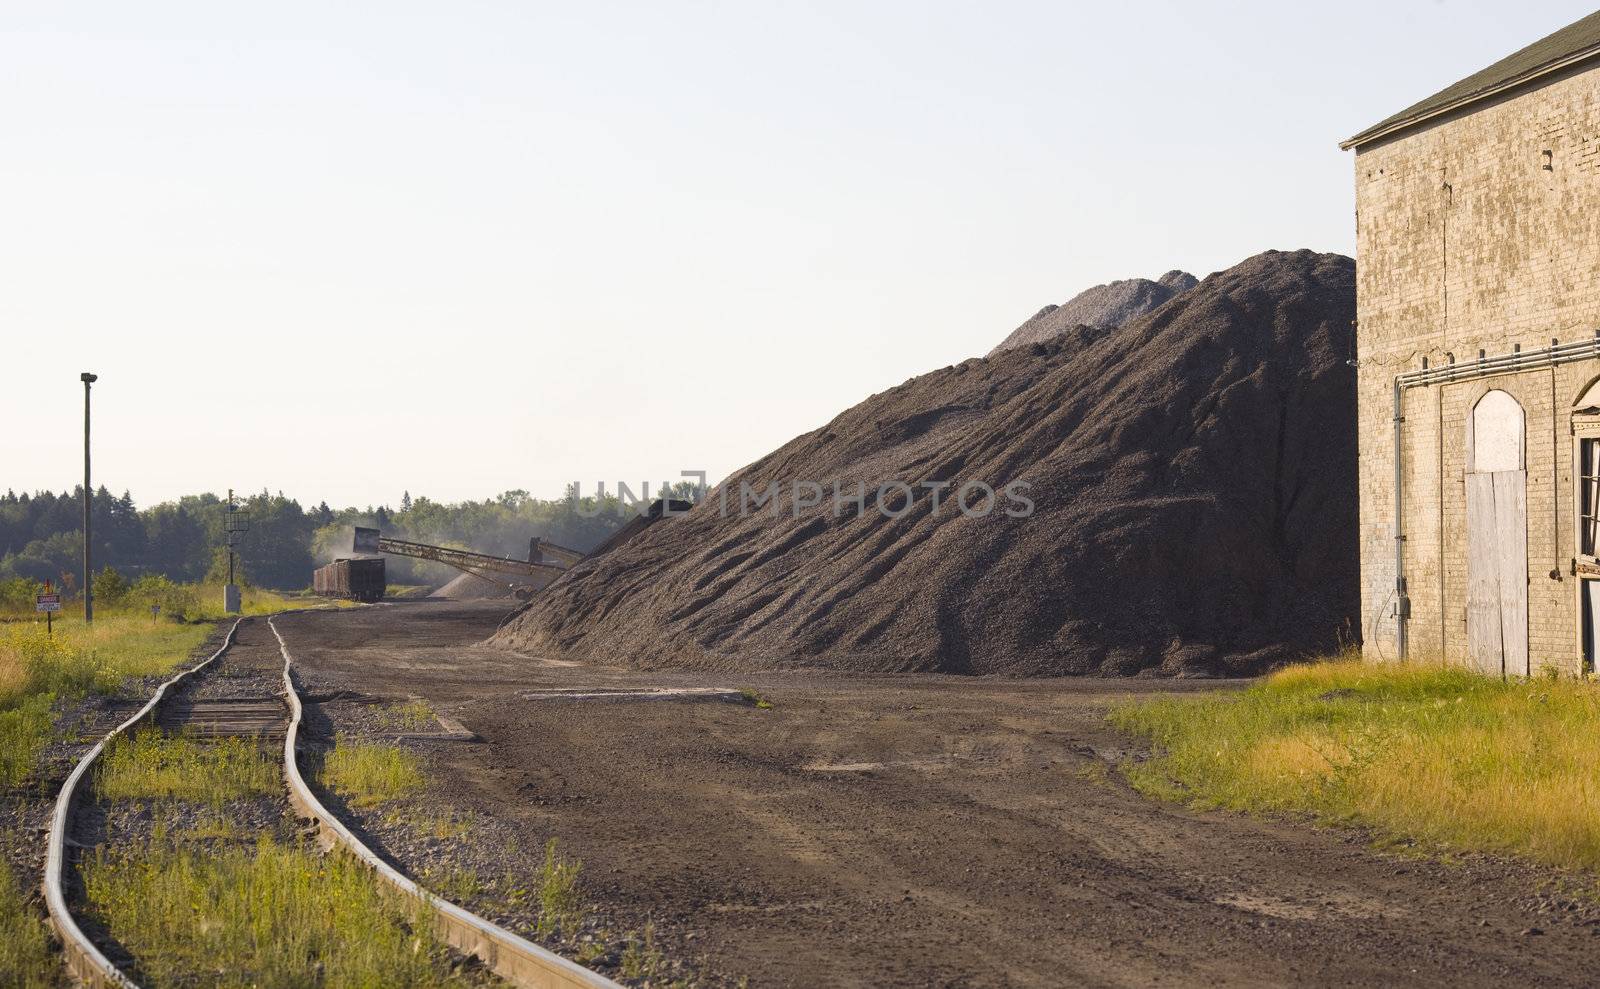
(1588, 496)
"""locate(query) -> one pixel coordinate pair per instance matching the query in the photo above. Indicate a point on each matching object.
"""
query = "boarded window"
(1497, 537)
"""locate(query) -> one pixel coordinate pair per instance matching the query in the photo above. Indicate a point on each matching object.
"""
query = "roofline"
(1568, 61)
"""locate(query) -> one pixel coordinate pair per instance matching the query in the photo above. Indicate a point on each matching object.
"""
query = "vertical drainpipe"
(1402, 604)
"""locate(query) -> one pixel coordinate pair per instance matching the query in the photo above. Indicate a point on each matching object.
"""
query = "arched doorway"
(1497, 537)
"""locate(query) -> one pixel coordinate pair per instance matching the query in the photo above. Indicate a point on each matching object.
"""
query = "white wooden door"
(1497, 539)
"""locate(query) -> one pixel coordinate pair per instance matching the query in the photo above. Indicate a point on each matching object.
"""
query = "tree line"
(41, 534)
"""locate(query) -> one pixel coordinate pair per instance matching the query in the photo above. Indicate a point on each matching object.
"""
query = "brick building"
(1478, 355)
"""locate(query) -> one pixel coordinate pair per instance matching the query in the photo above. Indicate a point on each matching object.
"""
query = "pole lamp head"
(88, 378)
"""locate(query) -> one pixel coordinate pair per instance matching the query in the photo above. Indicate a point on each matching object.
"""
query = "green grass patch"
(24, 731)
(36, 668)
(268, 915)
(27, 959)
(560, 904)
(1417, 751)
(368, 774)
(641, 959)
(151, 765)
(413, 715)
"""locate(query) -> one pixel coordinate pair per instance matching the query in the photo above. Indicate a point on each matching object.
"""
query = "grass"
(151, 765)
(754, 696)
(37, 668)
(413, 715)
(1422, 752)
(453, 883)
(27, 959)
(641, 959)
(560, 904)
(368, 774)
(268, 915)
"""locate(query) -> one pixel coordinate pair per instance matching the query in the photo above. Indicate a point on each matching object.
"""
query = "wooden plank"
(1483, 580)
(1511, 561)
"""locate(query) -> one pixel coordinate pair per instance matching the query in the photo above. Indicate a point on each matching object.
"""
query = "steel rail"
(86, 962)
(513, 958)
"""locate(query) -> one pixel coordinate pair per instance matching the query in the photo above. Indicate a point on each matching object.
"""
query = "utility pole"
(88, 501)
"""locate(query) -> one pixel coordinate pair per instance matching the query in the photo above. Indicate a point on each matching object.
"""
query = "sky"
(346, 250)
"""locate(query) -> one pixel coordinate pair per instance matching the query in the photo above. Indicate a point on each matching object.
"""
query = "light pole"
(88, 500)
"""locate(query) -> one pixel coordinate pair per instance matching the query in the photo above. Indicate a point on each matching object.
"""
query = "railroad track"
(188, 704)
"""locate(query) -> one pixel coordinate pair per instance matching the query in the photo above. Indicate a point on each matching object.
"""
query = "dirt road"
(922, 831)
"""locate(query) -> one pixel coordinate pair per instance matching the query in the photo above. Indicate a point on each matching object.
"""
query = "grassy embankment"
(246, 910)
(1423, 752)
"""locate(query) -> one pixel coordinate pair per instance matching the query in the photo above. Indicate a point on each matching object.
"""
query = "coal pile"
(1103, 307)
(1193, 474)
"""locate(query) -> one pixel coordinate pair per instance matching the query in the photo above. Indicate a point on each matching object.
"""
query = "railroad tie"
(264, 718)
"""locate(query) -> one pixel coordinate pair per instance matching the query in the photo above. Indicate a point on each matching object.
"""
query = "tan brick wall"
(1466, 241)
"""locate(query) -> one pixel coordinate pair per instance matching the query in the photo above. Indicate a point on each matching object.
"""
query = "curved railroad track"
(517, 960)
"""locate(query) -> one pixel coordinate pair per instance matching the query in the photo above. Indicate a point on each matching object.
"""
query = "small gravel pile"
(1103, 307)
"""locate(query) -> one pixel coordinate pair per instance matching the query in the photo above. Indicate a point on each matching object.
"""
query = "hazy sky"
(348, 249)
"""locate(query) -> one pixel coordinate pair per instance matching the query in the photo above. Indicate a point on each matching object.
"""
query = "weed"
(442, 825)
(268, 915)
(24, 732)
(151, 765)
(368, 774)
(452, 883)
(1093, 772)
(641, 959)
(560, 907)
(413, 715)
(1420, 751)
(26, 958)
(754, 696)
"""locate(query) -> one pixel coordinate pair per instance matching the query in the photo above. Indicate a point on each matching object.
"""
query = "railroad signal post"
(234, 523)
(48, 602)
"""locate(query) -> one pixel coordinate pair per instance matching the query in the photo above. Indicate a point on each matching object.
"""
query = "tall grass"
(1419, 751)
(154, 766)
(368, 774)
(27, 960)
(36, 669)
(267, 916)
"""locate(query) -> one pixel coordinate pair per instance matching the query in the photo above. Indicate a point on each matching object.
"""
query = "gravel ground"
(924, 830)
(481, 863)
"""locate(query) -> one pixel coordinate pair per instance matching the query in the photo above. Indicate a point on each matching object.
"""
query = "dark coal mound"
(1102, 307)
(1194, 479)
